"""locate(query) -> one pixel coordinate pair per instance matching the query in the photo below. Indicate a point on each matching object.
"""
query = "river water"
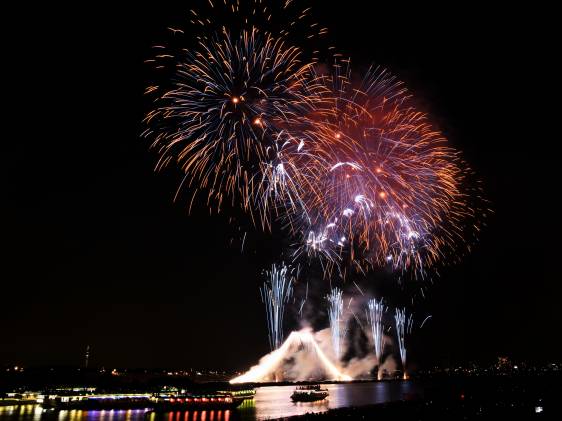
(269, 403)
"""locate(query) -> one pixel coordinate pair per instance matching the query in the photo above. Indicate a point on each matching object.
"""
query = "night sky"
(96, 251)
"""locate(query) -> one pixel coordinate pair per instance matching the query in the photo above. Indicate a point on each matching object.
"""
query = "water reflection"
(274, 401)
(269, 402)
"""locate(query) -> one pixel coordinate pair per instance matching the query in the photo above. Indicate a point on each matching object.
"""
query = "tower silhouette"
(87, 357)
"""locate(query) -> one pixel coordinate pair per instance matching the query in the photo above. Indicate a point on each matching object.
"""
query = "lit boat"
(199, 402)
(310, 393)
(158, 402)
(96, 401)
(239, 393)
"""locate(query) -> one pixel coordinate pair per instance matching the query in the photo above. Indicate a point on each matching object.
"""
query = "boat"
(158, 402)
(245, 394)
(88, 401)
(311, 393)
(195, 402)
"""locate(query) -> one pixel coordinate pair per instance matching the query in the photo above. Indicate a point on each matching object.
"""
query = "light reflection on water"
(274, 402)
(269, 402)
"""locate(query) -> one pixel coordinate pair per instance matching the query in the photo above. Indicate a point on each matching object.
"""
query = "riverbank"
(439, 410)
(16, 402)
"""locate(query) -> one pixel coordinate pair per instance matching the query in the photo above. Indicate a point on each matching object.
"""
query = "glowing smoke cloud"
(335, 310)
(403, 325)
(275, 292)
(271, 363)
(374, 318)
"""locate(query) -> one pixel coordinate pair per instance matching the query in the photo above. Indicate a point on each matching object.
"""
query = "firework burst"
(276, 292)
(224, 106)
(230, 98)
(404, 324)
(335, 313)
(375, 311)
(381, 185)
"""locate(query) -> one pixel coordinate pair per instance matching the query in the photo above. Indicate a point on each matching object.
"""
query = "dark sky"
(96, 252)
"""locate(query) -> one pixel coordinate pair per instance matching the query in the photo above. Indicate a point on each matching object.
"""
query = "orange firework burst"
(380, 184)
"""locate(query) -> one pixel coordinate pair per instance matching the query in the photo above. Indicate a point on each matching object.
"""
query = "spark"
(303, 301)
(243, 241)
(425, 320)
(358, 289)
